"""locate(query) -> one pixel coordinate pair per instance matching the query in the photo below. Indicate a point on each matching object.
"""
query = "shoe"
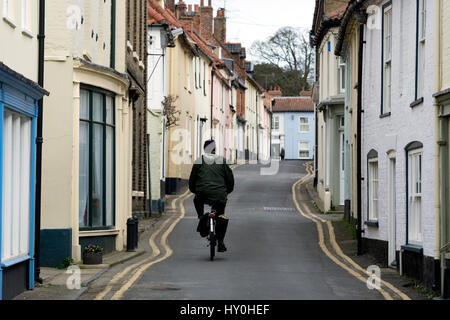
(222, 248)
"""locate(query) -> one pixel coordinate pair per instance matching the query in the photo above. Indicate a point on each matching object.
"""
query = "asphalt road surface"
(273, 251)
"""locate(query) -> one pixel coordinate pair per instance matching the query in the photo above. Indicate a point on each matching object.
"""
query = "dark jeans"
(219, 208)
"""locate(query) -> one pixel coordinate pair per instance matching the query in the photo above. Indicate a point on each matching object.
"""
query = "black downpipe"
(39, 142)
(358, 134)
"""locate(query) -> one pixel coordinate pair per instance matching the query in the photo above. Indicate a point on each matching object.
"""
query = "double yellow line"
(346, 262)
(140, 267)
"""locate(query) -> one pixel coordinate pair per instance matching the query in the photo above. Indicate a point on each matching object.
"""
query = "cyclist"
(212, 181)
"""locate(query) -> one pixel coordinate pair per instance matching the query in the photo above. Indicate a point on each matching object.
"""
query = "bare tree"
(287, 49)
(170, 111)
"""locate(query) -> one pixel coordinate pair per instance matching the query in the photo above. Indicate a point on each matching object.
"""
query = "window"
(303, 150)
(387, 59)
(276, 123)
(222, 98)
(204, 78)
(26, 17)
(97, 160)
(304, 125)
(195, 70)
(421, 36)
(415, 196)
(16, 185)
(373, 190)
(342, 74)
(187, 61)
(7, 8)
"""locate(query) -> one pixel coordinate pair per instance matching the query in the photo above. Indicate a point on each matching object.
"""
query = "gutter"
(39, 142)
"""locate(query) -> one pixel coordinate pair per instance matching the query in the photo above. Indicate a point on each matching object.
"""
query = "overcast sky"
(250, 20)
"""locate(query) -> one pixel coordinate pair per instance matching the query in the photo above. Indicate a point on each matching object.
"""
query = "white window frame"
(26, 15)
(7, 8)
(374, 190)
(342, 75)
(304, 127)
(276, 123)
(421, 39)
(387, 60)
(415, 203)
(15, 213)
(302, 148)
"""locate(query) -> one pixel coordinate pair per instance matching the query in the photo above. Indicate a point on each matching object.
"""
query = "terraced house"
(390, 102)
(88, 135)
(21, 92)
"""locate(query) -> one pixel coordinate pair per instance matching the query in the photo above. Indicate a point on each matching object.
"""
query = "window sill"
(416, 103)
(27, 33)
(372, 224)
(97, 233)
(385, 115)
(413, 248)
(10, 22)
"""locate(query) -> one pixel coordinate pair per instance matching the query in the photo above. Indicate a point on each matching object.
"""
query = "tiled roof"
(293, 104)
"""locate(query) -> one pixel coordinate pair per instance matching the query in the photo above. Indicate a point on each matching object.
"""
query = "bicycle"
(212, 238)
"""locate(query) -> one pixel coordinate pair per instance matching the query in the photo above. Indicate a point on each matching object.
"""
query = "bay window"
(97, 160)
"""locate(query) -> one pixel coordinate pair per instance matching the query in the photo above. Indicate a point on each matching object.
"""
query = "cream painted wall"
(64, 75)
(19, 49)
(179, 161)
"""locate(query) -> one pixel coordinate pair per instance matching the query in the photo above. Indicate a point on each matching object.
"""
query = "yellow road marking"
(138, 273)
(339, 251)
(322, 245)
(155, 252)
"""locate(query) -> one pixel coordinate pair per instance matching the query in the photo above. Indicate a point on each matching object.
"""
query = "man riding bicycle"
(212, 181)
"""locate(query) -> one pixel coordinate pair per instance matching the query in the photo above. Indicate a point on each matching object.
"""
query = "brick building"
(136, 63)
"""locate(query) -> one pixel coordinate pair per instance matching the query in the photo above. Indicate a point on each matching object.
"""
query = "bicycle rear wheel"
(212, 246)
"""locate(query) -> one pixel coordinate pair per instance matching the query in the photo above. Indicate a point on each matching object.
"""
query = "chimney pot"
(209, 3)
(196, 8)
(190, 8)
(202, 3)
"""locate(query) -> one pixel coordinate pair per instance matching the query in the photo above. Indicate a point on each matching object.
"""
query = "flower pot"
(92, 258)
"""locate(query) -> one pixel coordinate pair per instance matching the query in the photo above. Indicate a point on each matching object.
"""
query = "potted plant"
(93, 254)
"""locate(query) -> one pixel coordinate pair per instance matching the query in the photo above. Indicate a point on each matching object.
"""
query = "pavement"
(54, 286)
(275, 252)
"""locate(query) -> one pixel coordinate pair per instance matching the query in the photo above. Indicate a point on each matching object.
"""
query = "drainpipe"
(439, 157)
(358, 134)
(212, 99)
(39, 142)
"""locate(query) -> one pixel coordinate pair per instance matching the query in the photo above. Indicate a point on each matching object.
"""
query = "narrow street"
(273, 253)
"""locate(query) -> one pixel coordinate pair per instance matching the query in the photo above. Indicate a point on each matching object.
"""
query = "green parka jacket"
(211, 179)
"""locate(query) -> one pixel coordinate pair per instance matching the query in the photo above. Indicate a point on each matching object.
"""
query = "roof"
(22, 78)
(293, 104)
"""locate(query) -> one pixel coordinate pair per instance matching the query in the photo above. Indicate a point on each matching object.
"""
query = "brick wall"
(137, 69)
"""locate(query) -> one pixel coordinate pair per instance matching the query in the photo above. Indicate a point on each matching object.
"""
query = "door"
(392, 212)
(342, 168)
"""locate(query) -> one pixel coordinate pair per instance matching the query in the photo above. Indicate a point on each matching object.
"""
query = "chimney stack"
(180, 9)
(170, 4)
(206, 20)
(220, 26)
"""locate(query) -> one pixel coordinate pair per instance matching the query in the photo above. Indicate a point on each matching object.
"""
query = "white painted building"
(397, 136)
